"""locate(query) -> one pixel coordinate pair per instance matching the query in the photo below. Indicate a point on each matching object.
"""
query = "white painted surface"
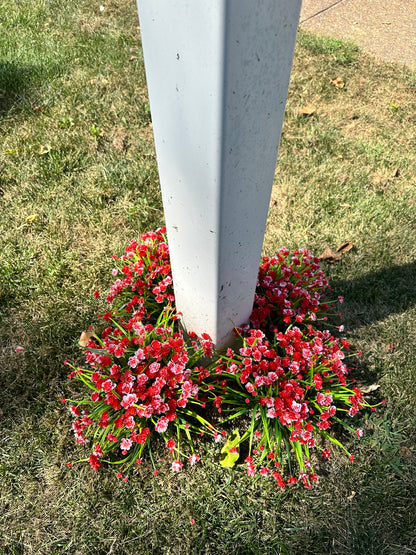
(217, 73)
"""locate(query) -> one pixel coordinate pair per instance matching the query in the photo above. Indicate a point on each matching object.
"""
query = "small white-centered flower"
(193, 459)
(177, 466)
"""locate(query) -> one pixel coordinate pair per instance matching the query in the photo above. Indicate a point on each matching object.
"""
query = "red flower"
(170, 445)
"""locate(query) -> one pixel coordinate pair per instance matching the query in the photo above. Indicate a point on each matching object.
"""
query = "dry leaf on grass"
(85, 337)
(330, 256)
(405, 452)
(370, 388)
(345, 247)
(120, 141)
(338, 83)
(377, 180)
(307, 110)
(37, 108)
(44, 149)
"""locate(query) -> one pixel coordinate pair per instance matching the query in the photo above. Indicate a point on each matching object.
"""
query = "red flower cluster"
(144, 376)
(294, 384)
(145, 282)
(140, 377)
(289, 289)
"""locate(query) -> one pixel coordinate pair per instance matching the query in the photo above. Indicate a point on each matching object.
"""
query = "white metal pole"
(217, 74)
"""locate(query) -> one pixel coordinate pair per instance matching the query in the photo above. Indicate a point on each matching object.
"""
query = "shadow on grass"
(375, 296)
(17, 82)
(360, 526)
(33, 348)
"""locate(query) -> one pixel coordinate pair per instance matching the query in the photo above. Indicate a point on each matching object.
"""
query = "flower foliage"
(144, 377)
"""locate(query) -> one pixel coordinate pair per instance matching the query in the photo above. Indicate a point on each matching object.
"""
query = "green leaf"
(228, 459)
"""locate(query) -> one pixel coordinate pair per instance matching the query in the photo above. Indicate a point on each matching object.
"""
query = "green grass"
(78, 180)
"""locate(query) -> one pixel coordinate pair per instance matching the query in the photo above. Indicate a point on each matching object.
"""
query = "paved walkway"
(385, 28)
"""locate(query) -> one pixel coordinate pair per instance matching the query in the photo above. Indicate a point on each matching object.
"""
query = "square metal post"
(218, 74)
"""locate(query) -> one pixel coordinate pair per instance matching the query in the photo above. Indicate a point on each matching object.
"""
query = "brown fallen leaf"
(345, 247)
(307, 110)
(330, 256)
(36, 108)
(405, 452)
(132, 58)
(370, 388)
(377, 180)
(338, 83)
(120, 140)
(85, 337)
